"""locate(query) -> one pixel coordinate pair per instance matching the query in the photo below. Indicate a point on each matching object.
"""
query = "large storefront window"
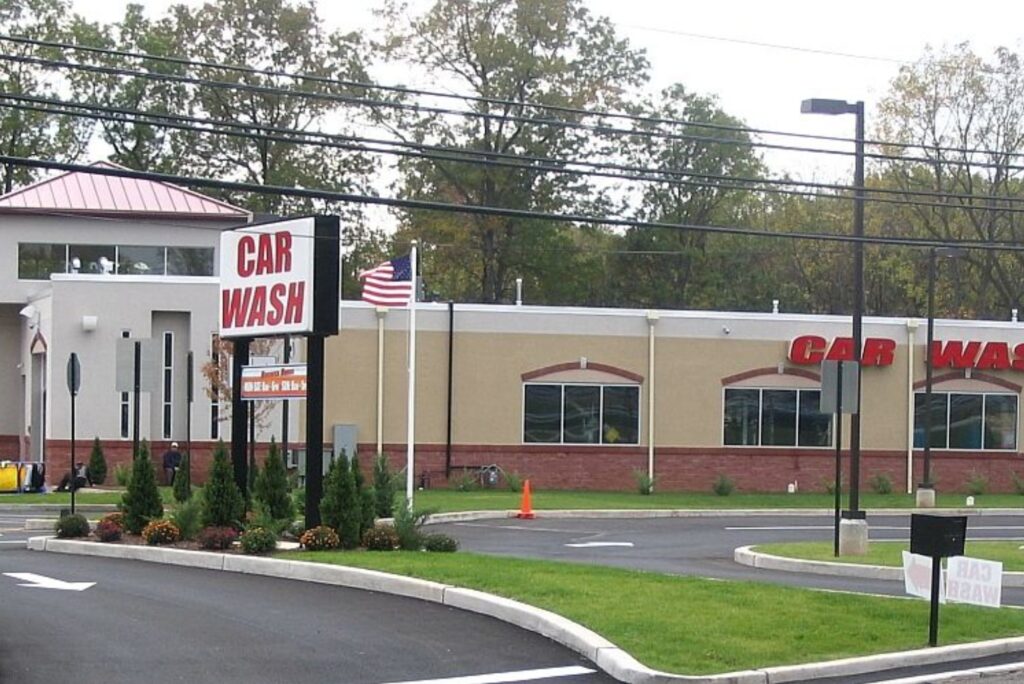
(775, 417)
(967, 421)
(581, 414)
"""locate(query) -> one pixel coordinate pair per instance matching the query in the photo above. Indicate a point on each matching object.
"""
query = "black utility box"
(937, 536)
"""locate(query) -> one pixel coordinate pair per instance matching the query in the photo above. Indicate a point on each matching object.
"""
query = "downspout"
(911, 328)
(448, 440)
(652, 320)
(382, 312)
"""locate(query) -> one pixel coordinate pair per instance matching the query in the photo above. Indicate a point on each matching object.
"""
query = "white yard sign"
(970, 580)
(917, 576)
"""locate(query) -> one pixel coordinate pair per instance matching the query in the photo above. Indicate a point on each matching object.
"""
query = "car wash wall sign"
(270, 279)
(808, 350)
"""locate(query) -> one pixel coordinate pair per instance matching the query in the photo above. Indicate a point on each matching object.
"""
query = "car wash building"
(586, 398)
(89, 261)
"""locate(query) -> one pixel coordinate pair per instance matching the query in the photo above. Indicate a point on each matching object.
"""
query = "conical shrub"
(141, 501)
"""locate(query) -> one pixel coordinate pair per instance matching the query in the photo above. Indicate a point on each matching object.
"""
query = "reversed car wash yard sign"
(280, 278)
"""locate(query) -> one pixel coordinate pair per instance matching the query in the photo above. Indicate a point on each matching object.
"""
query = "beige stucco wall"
(494, 347)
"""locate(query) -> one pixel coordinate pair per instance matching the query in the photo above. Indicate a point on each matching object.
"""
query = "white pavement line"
(499, 677)
(43, 582)
(971, 675)
(589, 545)
(530, 528)
(14, 542)
(784, 528)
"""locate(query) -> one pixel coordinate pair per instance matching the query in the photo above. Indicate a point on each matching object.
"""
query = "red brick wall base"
(695, 470)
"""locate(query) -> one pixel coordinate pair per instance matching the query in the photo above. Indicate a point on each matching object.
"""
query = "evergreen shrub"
(383, 487)
(341, 508)
(141, 502)
(441, 543)
(97, 467)
(72, 526)
(188, 516)
(223, 505)
(271, 487)
(257, 540)
(182, 486)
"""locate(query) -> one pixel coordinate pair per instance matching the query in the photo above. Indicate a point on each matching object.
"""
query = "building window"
(126, 404)
(140, 260)
(37, 261)
(190, 261)
(775, 417)
(581, 414)
(962, 420)
(168, 395)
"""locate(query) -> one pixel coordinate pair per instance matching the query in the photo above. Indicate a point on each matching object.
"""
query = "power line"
(649, 175)
(365, 102)
(505, 212)
(576, 111)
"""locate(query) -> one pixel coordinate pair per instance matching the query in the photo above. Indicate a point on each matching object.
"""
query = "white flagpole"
(410, 437)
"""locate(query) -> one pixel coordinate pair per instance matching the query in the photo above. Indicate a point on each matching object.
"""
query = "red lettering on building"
(994, 356)
(954, 354)
(879, 352)
(841, 350)
(807, 350)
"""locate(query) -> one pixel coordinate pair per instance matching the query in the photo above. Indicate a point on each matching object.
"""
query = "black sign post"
(74, 383)
(189, 387)
(938, 537)
(838, 397)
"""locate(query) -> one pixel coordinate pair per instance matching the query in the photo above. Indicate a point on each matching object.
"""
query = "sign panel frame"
(274, 382)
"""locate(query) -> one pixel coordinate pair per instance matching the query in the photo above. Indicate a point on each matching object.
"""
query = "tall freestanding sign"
(281, 278)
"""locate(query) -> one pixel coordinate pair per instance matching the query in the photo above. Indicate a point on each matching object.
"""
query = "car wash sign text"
(278, 278)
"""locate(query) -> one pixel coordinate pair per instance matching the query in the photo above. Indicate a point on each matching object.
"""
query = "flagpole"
(410, 437)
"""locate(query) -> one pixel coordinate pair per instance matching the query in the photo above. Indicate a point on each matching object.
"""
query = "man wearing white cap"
(172, 459)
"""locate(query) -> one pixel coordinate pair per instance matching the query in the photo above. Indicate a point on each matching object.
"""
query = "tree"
(217, 371)
(550, 52)
(25, 133)
(958, 121)
(341, 507)
(97, 467)
(223, 505)
(182, 485)
(141, 501)
(670, 268)
(271, 489)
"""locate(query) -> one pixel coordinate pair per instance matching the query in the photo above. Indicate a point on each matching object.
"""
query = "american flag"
(389, 284)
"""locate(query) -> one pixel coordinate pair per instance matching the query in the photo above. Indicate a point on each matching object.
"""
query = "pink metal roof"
(78, 192)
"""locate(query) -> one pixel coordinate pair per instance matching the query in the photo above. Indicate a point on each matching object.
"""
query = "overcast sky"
(709, 47)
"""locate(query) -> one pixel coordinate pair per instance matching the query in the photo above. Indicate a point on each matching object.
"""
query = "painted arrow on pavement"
(42, 582)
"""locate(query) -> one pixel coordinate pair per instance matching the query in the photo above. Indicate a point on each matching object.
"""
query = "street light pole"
(925, 496)
(926, 484)
(853, 531)
(858, 305)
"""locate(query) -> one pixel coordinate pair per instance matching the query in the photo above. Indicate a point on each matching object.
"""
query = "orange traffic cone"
(526, 507)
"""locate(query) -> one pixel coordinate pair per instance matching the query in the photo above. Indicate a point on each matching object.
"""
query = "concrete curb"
(606, 655)
(746, 555)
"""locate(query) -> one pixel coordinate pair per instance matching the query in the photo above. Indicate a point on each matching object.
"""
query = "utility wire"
(470, 209)
(575, 111)
(647, 175)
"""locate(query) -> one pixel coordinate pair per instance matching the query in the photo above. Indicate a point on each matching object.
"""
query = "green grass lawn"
(696, 626)
(442, 500)
(1009, 554)
(81, 497)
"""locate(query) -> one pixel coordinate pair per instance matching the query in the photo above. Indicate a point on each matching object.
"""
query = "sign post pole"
(839, 457)
(74, 382)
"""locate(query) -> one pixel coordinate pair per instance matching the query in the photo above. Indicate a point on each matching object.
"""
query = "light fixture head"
(29, 311)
